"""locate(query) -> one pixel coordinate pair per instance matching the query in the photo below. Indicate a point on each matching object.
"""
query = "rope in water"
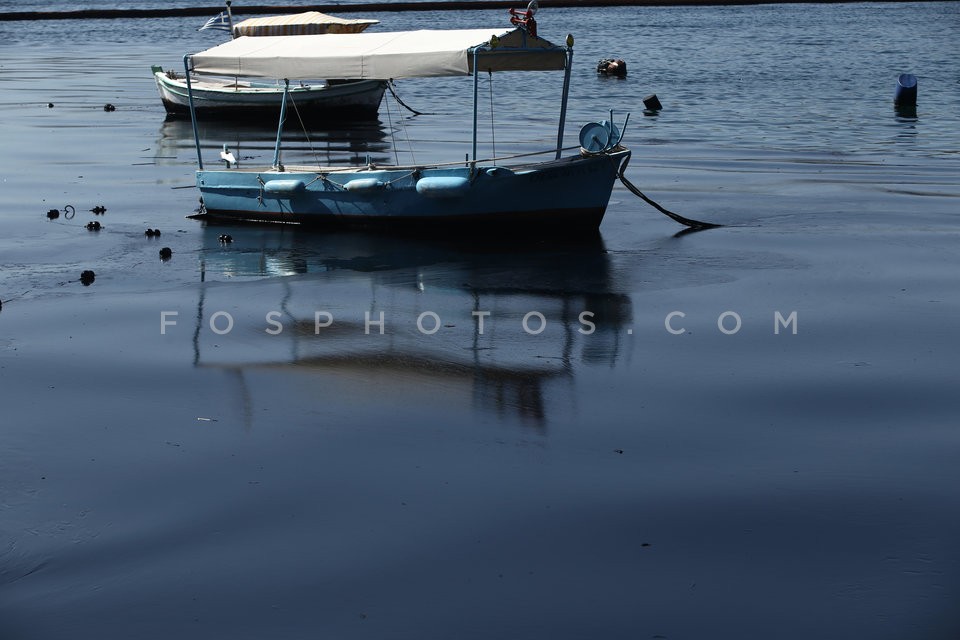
(696, 225)
(404, 104)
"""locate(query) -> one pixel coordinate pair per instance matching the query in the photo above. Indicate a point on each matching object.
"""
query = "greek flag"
(221, 22)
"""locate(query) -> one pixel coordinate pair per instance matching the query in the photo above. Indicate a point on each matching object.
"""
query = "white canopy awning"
(398, 54)
(310, 22)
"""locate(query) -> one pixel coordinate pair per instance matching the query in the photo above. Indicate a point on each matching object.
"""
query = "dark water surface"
(625, 482)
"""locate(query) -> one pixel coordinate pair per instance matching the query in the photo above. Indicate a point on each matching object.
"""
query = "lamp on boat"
(227, 156)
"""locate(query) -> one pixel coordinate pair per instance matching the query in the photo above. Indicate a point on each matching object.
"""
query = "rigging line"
(396, 154)
(404, 104)
(694, 225)
(493, 128)
(406, 134)
(303, 127)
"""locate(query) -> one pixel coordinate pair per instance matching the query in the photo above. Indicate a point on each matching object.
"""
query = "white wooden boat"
(243, 98)
(236, 97)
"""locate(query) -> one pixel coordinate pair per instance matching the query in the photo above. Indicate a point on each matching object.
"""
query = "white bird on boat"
(227, 156)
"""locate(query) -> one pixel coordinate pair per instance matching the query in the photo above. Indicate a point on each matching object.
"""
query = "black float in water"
(906, 95)
(612, 67)
(652, 103)
(87, 278)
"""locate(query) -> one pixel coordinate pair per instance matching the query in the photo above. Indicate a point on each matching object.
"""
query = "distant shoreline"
(451, 5)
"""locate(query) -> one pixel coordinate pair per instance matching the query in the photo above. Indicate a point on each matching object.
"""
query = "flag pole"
(230, 19)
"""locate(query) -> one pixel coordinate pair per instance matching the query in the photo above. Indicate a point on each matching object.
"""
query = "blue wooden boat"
(557, 194)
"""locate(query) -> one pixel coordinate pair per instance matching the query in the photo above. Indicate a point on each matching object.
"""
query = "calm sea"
(751, 434)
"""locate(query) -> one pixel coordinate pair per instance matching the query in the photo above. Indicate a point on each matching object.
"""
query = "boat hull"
(563, 196)
(358, 99)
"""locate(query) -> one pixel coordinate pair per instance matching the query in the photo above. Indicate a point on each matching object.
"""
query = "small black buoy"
(94, 226)
(109, 107)
(53, 214)
(226, 239)
(152, 233)
(87, 278)
(612, 67)
(906, 94)
(652, 103)
(98, 210)
(165, 253)
(49, 105)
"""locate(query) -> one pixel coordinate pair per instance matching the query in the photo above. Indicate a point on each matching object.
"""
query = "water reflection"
(253, 142)
(502, 326)
(905, 112)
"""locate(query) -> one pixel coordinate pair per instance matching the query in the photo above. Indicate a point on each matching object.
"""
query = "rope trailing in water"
(404, 104)
(695, 225)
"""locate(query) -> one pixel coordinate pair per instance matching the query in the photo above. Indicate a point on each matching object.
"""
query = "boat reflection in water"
(253, 143)
(405, 314)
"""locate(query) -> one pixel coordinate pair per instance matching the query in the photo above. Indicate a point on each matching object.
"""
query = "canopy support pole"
(566, 94)
(476, 84)
(283, 117)
(193, 111)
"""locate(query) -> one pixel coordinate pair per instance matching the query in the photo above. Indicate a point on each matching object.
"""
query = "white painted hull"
(354, 99)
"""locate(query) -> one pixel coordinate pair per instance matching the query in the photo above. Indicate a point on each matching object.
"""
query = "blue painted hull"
(564, 195)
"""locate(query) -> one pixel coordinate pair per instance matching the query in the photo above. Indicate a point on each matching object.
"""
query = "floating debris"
(68, 212)
(652, 103)
(165, 253)
(87, 278)
(94, 226)
(226, 239)
(49, 105)
(612, 67)
(99, 210)
(109, 107)
(152, 233)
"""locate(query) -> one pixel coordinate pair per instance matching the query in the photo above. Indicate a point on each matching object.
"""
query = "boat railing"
(413, 167)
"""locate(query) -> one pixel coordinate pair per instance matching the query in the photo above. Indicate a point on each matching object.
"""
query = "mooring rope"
(696, 225)
(404, 104)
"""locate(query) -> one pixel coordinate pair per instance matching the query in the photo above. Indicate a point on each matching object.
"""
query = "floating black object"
(109, 107)
(906, 94)
(53, 214)
(87, 278)
(226, 239)
(94, 226)
(152, 233)
(652, 103)
(165, 253)
(612, 67)
(99, 209)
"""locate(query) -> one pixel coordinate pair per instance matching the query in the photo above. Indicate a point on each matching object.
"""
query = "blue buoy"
(906, 95)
